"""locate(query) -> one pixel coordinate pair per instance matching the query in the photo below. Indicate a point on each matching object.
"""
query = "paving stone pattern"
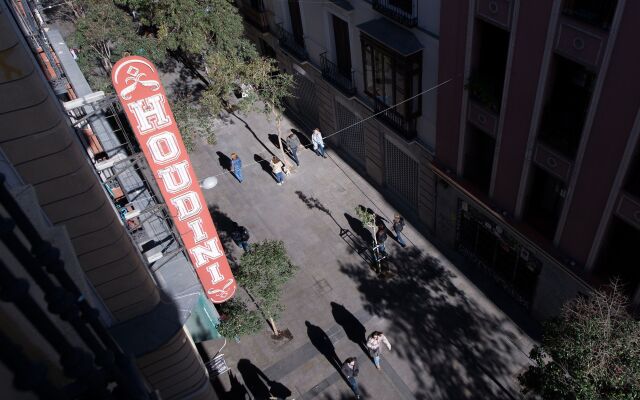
(448, 340)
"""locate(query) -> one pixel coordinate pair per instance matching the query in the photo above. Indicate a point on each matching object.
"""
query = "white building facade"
(356, 60)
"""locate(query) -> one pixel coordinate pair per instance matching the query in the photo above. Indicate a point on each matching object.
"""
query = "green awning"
(203, 320)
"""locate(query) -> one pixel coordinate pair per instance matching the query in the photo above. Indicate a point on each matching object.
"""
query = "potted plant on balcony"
(484, 90)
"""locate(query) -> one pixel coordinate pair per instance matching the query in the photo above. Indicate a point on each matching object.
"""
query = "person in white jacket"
(373, 344)
(318, 143)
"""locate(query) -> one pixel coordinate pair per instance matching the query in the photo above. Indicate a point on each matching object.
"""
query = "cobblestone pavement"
(448, 340)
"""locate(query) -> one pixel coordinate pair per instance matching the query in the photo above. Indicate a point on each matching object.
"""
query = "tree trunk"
(376, 251)
(273, 326)
(284, 156)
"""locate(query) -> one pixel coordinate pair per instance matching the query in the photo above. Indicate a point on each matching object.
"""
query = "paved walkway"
(449, 341)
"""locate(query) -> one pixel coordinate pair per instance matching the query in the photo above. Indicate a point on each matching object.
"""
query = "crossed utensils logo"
(135, 78)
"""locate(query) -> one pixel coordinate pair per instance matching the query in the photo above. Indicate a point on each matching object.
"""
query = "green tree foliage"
(267, 91)
(104, 34)
(206, 36)
(195, 122)
(366, 217)
(195, 27)
(263, 272)
(590, 352)
(237, 319)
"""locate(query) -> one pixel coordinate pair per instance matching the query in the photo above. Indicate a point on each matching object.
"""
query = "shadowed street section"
(438, 330)
(449, 341)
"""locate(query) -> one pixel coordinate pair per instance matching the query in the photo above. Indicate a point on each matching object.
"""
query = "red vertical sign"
(137, 84)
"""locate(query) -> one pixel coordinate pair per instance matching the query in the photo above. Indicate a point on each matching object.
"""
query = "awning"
(203, 322)
(392, 36)
(344, 4)
(181, 291)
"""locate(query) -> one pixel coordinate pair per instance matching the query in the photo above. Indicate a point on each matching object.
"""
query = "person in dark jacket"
(350, 371)
(381, 237)
(240, 236)
(398, 225)
(293, 143)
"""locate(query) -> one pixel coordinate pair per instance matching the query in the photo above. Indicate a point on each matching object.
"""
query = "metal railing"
(289, 43)
(256, 14)
(331, 72)
(397, 10)
(404, 126)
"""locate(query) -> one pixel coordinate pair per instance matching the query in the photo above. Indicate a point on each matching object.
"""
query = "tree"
(263, 271)
(368, 219)
(208, 37)
(194, 121)
(591, 351)
(104, 34)
(237, 320)
(267, 92)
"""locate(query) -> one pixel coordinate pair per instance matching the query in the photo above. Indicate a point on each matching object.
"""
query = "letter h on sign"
(150, 113)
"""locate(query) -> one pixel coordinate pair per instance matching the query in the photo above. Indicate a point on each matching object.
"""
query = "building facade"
(351, 60)
(524, 160)
(132, 291)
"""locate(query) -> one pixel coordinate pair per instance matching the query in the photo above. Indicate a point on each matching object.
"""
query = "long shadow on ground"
(455, 348)
(225, 226)
(260, 386)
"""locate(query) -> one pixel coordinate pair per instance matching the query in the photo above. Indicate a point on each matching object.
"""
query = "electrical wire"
(350, 126)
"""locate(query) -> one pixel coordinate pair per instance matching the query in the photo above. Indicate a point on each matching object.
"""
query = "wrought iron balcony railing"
(331, 72)
(402, 11)
(404, 126)
(289, 43)
(256, 14)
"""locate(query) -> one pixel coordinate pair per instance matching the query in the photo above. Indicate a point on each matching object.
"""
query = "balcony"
(402, 11)
(289, 43)
(396, 121)
(331, 72)
(256, 14)
(598, 13)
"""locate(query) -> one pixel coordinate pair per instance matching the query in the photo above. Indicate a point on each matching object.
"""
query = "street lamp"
(209, 183)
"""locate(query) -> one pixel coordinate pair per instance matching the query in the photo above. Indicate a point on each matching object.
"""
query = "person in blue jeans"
(236, 167)
(350, 371)
(278, 169)
(318, 143)
(398, 225)
(293, 144)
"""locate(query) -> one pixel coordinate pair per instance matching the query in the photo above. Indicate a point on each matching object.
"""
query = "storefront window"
(498, 252)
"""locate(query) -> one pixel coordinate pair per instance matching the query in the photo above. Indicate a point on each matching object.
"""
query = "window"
(401, 173)
(343, 49)
(595, 12)
(404, 5)
(478, 163)
(390, 78)
(545, 201)
(296, 22)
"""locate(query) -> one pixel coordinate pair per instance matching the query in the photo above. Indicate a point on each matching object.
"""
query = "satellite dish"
(209, 183)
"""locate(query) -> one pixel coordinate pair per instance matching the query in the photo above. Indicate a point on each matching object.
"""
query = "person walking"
(293, 143)
(236, 167)
(373, 344)
(318, 143)
(350, 371)
(398, 225)
(278, 169)
(240, 236)
(381, 237)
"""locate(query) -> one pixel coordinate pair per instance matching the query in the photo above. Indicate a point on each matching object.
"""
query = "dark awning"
(344, 4)
(392, 36)
(181, 290)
